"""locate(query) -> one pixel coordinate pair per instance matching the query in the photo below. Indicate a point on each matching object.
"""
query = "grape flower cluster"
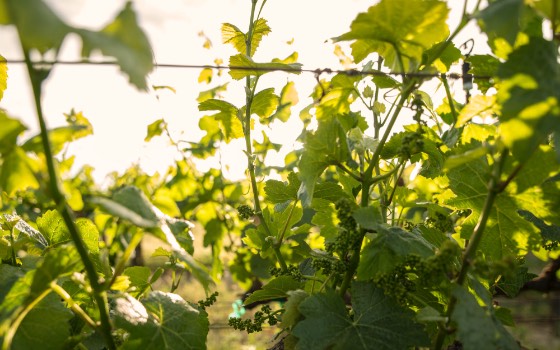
(265, 315)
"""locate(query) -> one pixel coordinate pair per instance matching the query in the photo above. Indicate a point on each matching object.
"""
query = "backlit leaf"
(506, 232)
(18, 172)
(247, 67)
(139, 277)
(78, 127)
(228, 117)
(155, 129)
(264, 104)
(3, 75)
(280, 192)
(288, 99)
(325, 147)
(127, 42)
(9, 132)
(529, 96)
(549, 233)
(234, 36)
(394, 28)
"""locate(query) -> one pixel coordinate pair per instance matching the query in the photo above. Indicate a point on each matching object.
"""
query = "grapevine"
(397, 218)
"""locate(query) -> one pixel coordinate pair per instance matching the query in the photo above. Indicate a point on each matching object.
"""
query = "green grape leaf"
(433, 165)
(27, 230)
(264, 104)
(477, 327)
(18, 172)
(393, 146)
(79, 126)
(161, 321)
(502, 19)
(139, 277)
(46, 326)
(60, 261)
(549, 233)
(329, 190)
(231, 34)
(482, 66)
(211, 93)
(38, 26)
(292, 315)
(124, 212)
(126, 41)
(336, 98)
(288, 99)
(478, 132)
(384, 81)
(388, 248)
(9, 133)
(14, 294)
(234, 36)
(3, 76)
(327, 146)
(378, 322)
(512, 284)
(398, 30)
(260, 29)
(131, 204)
(506, 232)
(53, 228)
(479, 106)
(325, 218)
(274, 289)
(242, 66)
(465, 157)
(368, 218)
(443, 60)
(528, 95)
(280, 192)
(155, 129)
(227, 117)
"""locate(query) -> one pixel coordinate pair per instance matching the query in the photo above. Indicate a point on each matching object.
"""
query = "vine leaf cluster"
(372, 236)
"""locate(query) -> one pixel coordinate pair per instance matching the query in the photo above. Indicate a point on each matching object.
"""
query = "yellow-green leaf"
(234, 36)
(18, 172)
(242, 66)
(3, 76)
(398, 30)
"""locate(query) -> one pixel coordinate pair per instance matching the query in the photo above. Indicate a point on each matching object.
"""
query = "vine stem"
(249, 94)
(99, 294)
(367, 181)
(495, 187)
(75, 307)
(449, 99)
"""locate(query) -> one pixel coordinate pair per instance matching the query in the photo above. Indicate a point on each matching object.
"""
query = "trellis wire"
(316, 71)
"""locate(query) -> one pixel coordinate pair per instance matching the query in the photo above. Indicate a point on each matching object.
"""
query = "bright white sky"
(120, 114)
